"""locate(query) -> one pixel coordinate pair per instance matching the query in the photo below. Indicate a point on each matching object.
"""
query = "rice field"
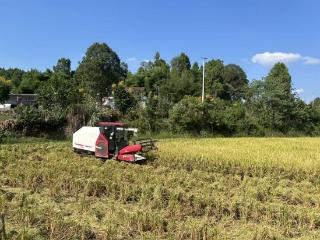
(237, 188)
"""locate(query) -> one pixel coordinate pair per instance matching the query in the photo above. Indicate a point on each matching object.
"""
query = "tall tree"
(214, 71)
(30, 82)
(63, 66)
(180, 63)
(99, 69)
(197, 75)
(278, 98)
(159, 73)
(236, 80)
(181, 81)
(151, 75)
(4, 89)
(315, 112)
(14, 75)
(316, 104)
(59, 91)
(280, 78)
(124, 101)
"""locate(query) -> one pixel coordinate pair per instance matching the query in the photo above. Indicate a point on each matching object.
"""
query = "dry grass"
(246, 188)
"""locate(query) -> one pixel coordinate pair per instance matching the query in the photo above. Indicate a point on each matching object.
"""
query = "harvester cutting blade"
(147, 144)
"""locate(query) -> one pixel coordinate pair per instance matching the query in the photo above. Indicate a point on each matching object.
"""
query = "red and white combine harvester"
(111, 140)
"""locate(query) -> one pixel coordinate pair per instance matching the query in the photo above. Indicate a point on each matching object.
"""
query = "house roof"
(27, 99)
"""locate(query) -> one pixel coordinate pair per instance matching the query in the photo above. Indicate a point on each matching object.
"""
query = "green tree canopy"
(124, 101)
(180, 63)
(5, 86)
(63, 66)
(14, 75)
(30, 82)
(316, 103)
(214, 71)
(99, 69)
(187, 115)
(151, 74)
(236, 79)
(273, 101)
(58, 91)
(158, 74)
(280, 78)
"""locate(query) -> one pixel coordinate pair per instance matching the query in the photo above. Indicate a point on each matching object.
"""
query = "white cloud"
(268, 58)
(132, 59)
(298, 91)
(311, 61)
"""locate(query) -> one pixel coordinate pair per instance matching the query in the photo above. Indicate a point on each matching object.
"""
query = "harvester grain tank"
(111, 140)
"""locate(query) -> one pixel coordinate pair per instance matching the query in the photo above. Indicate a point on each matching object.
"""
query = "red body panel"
(102, 147)
(126, 157)
(130, 149)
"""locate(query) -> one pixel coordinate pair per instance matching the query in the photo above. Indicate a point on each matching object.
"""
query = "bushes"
(5, 86)
(215, 116)
(6, 129)
(124, 101)
(101, 114)
(31, 120)
(187, 115)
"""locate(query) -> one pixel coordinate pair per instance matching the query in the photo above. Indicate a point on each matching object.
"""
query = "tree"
(14, 75)
(30, 82)
(280, 78)
(197, 76)
(236, 79)
(152, 75)
(272, 102)
(159, 72)
(316, 103)
(143, 73)
(5, 86)
(187, 115)
(99, 69)
(124, 101)
(181, 85)
(279, 98)
(63, 66)
(180, 63)
(255, 101)
(214, 79)
(315, 114)
(302, 117)
(57, 91)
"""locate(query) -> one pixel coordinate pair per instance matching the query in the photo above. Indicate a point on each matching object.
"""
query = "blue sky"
(251, 33)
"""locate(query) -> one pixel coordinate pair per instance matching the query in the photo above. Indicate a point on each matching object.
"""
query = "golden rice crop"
(240, 188)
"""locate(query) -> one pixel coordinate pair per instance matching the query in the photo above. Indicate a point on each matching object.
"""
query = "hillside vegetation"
(160, 96)
(241, 188)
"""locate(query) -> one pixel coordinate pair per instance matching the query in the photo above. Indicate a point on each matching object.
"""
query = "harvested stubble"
(243, 188)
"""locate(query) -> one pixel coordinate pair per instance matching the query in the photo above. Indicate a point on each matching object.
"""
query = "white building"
(5, 107)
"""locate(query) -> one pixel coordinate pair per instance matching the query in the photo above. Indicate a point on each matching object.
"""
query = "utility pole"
(204, 63)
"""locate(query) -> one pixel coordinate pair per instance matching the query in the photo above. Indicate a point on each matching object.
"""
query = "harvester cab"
(111, 140)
